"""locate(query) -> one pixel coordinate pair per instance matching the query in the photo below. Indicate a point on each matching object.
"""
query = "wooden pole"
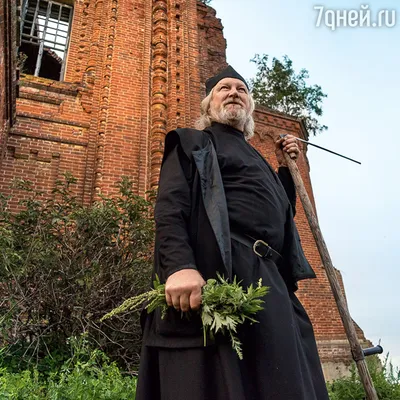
(356, 350)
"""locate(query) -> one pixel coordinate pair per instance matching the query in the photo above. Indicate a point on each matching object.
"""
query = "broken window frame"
(40, 41)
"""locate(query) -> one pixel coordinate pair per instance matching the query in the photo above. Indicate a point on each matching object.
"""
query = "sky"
(359, 69)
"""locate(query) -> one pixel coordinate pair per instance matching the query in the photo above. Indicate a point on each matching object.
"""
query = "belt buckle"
(256, 243)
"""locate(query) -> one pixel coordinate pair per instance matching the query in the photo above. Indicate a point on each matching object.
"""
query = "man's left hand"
(289, 144)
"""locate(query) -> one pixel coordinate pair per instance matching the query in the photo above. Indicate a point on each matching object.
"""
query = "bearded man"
(222, 208)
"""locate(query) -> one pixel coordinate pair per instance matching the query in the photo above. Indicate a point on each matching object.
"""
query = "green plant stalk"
(224, 306)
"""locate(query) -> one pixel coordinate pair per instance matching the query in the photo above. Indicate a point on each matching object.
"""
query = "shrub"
(385, 377)
(24, 385)
(63, 265)
(87, 375)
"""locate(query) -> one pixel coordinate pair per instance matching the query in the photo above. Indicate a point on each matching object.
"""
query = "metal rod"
(323, 148)
(35, 14)
(370, 351)
(64, 59)
(44, 34)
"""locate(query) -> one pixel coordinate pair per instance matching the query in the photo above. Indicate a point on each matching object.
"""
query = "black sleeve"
(172, 212)
(287, 182)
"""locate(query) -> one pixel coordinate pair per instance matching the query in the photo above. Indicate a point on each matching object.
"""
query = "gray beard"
(234, 118)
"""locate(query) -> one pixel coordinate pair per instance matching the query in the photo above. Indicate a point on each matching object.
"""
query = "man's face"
(230, 95)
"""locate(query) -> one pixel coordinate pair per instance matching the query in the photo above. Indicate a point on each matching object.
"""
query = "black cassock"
(280, 358)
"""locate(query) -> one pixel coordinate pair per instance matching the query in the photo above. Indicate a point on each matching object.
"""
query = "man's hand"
(183, 289)
(289, 144)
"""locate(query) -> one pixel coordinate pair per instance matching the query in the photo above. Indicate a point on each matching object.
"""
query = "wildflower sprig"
(224, 306)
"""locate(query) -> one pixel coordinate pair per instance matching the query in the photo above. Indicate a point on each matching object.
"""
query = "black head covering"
(228, 72)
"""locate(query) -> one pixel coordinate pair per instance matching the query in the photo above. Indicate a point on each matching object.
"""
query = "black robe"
(211, 184)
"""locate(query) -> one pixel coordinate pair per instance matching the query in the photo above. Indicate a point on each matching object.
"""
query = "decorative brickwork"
(159, 86)
(136, 69)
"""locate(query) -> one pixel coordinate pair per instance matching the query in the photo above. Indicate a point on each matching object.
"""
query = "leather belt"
(261, 248)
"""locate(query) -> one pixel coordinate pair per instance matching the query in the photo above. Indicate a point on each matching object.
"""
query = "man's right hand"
(183, 289)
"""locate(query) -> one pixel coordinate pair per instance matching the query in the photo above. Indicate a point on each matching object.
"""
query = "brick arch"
(264, 133)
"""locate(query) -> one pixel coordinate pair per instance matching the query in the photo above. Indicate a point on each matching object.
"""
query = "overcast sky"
(357, 205)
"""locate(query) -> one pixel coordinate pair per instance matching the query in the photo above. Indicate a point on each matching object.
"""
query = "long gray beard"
(233, 118)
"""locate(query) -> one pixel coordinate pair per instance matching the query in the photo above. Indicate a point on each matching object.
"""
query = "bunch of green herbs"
(224, 306)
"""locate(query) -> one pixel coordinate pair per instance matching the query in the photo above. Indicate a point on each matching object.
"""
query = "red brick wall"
(96, 123)
(49, 137)
(138, 70)
(121, 118)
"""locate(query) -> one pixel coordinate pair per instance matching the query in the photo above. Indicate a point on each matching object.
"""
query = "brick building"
(101, 83)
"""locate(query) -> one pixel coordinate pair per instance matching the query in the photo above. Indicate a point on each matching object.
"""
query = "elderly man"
(217, 197)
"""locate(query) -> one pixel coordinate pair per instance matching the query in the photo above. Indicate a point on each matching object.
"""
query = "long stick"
(323, 148)
(356, 350)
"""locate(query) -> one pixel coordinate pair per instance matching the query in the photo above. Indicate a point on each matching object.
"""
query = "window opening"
(45, 30)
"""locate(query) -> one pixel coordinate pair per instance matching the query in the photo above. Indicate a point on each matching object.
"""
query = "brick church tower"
(101, 82)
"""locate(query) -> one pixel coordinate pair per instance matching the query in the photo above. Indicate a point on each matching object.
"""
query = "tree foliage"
(64, 265)
(278, 87)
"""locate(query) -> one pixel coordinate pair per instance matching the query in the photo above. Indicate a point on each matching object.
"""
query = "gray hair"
(206, 118)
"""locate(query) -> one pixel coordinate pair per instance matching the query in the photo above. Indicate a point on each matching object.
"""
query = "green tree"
(277, 86)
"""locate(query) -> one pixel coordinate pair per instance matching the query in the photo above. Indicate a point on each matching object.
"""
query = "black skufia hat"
(228, 72)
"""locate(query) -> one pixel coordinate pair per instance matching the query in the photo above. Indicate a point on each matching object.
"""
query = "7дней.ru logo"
(334, 19)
